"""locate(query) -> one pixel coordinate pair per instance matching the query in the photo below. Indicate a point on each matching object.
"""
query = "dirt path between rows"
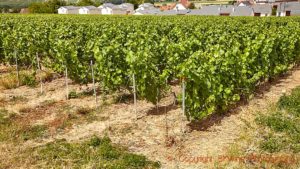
(158, 132)
(149, 134)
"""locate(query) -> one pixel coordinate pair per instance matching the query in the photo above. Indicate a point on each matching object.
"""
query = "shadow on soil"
(160, 110)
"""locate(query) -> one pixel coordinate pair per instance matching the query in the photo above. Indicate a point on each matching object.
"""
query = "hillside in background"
(26, 3)
(21, 3)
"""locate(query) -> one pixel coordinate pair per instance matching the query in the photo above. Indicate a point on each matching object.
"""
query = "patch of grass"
(44, 104)
(123, 98)
(93, 153)
(28, 80)
(83, 110)
(32, 132)
(73, 95)
(234, 151)
(88, 92)
(12, 131)
(10, 81)
(78, 115)
(7, 129)
(291, 102)
(4, 116)
(46, 76)
(275, 133)
(47, 103)
(273, 143)
(18, 99)
(282, 126)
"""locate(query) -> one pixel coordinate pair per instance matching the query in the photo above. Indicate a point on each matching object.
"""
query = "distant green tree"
(192, 6)
(149, 1)
(53, 5)
(5, 9)
(274, 10)
(136, 3)
(231, 2)
(15, 10)
(86, 3)
(39, 7)
(50, 6)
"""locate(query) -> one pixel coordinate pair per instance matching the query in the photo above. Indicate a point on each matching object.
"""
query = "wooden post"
(39, 68)
(183, 96)
(94, 87)
(17, 68)
(166, 119)
(183, 107)
(166, 123)
(134, 96)
(67, 86)
(157, 102)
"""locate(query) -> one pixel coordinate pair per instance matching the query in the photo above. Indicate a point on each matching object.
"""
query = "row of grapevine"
(221, 58)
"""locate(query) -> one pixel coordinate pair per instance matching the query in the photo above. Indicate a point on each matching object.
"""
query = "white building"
(154, 11)
(106, 8)
(226, 10)
(146, 6)
(242, 11)
(111, 9)
(89, 10)
(262, 10)
(128, 6)
(179, 7)
(68, 10)
(288, 9)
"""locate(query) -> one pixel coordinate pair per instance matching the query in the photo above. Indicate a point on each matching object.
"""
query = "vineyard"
(217, 60)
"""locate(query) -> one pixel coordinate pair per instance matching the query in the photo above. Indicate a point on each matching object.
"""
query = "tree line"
(51, 6)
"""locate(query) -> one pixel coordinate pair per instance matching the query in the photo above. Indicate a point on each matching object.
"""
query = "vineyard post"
(157, 101)
(94, 87)
(166, 121)
(134, 96)
(181, 125)
(183, 96)
(183, 106)
(39, 68)
(17, 68)
(67, 86)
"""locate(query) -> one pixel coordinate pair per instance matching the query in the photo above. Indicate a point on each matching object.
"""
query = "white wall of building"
(85, 10)
(63, 10)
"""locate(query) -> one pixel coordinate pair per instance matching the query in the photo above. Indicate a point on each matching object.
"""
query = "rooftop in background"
(262, 8)
(242, 11)
(71, 7)
(226, 9)
(210, 10)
